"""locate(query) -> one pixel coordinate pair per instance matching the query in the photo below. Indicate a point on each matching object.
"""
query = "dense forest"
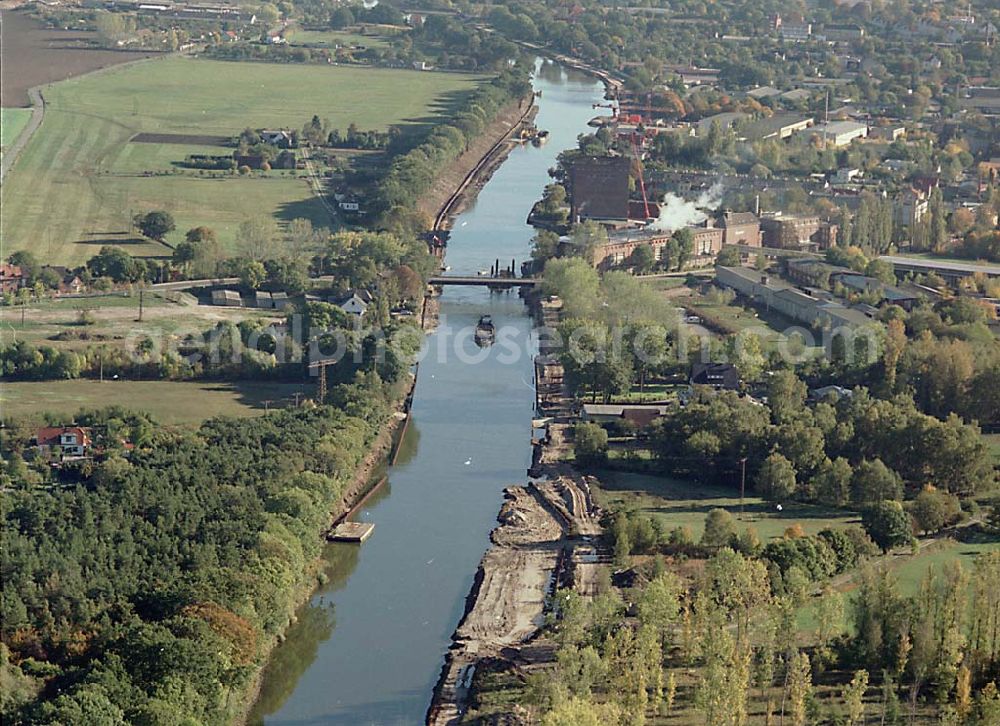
(147, 590)
(144, 584)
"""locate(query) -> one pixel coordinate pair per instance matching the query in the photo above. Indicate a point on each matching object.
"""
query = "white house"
(277, 137)
(356, 302)
(844, 175)
(64, 440)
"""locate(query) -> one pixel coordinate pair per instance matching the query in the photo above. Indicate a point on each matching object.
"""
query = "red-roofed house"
(63, 440)
(11, 278)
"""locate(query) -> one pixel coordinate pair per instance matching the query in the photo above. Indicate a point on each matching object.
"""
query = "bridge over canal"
(484, 281)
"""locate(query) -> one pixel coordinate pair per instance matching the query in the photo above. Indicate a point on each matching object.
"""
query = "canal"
(369, 646)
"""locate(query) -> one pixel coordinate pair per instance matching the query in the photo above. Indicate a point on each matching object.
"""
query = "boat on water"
(540, 138)
(485, 331)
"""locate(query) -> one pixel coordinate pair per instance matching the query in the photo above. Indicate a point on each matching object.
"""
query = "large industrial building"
(598, 188)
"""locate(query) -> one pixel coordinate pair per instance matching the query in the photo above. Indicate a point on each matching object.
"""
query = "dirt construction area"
(546, 531)
(34, 55)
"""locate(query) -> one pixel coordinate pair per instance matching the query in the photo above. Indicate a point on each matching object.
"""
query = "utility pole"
(298, 395)
(140, 305)
(743, 483)
(267, 404)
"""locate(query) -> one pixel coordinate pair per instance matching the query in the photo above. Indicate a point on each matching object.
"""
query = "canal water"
(369, 646)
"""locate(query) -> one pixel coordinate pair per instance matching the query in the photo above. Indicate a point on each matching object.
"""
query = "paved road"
(37, 112)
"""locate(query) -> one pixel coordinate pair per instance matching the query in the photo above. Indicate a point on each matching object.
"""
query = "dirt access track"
(544, 538)
(34, 55)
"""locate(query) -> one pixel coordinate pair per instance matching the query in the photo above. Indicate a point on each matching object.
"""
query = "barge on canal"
(485, 331)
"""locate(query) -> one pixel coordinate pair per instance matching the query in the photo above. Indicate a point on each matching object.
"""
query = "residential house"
(355, 302)
(263, 299)
(72, 284)
(277, 137)
(280, 300)
(720, 376)
(62, 441)
(11, 278)
(69, 282)
(824, 392)
(845, 175)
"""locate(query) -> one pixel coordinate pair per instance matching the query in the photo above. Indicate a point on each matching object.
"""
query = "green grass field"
(114, 320)
(79, 180)
(651, 392)
(170, 402)
(769, 327)
(993, 441)
(136, 158)
(12, 121)
(333, 38)
(909, 570)
(682, 503)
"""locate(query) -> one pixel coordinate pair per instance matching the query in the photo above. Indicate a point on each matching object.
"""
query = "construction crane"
(635, 138)
(647, 109)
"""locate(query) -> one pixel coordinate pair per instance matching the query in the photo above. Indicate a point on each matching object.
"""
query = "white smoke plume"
(677, 212)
